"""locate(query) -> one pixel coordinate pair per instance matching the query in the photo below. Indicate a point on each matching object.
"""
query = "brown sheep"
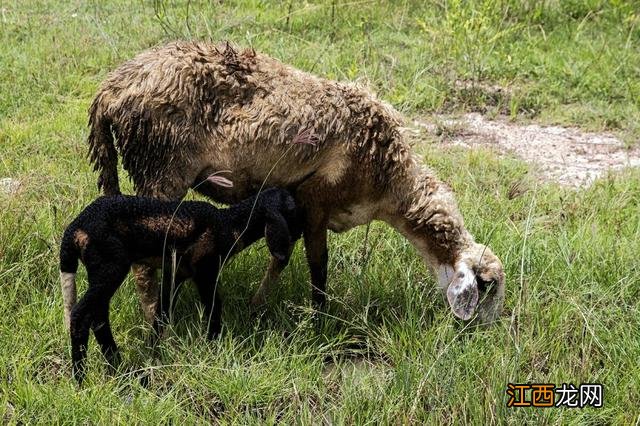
(185, 110)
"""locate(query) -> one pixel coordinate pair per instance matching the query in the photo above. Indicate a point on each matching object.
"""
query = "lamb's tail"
(102, 152)
(69, 255)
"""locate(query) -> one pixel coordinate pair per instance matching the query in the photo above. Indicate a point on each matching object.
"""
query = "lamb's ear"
(462, 293)
(277, 234)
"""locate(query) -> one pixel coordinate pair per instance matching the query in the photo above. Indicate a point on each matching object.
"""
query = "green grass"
(387, 350)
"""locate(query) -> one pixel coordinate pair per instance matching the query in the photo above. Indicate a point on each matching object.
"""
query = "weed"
(387, 350)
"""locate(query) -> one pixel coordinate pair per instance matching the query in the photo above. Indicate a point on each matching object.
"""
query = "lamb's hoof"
(145, 376)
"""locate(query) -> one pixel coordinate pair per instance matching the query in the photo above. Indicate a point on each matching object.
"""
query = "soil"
(566, 155)
(9, 186)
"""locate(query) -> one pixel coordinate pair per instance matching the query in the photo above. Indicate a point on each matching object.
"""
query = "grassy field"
(387, 350)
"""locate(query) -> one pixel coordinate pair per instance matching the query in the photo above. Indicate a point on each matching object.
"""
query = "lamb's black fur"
(114, 232)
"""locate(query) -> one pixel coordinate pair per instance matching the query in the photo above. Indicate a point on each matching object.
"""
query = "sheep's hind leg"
(276, 266)
(147, 289)
(145, 276)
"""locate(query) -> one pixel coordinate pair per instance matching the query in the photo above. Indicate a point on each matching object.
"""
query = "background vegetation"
(387, 350)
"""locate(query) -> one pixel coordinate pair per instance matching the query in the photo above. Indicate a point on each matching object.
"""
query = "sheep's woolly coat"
(197, 107)
(185, 110)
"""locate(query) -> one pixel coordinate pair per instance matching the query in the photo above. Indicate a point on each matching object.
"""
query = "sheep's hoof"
(149, 310)
(258, 300)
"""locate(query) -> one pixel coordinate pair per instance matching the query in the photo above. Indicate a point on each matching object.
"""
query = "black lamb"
(114, 232)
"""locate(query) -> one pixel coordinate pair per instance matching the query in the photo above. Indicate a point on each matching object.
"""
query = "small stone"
(9, 413)
(9, 186)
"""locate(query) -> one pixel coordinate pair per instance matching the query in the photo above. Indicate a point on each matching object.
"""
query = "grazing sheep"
(114, 232)
(181, 111)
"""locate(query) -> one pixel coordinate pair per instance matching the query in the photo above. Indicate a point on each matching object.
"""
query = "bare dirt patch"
(9, 186)
(566, 155)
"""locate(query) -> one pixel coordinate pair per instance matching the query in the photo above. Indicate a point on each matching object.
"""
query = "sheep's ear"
(462, 293)
(277, 234)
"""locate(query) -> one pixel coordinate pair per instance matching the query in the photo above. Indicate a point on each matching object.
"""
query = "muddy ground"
(566, 155)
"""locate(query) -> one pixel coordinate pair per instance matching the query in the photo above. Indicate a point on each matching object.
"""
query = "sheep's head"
(475, 285)
(469, 273)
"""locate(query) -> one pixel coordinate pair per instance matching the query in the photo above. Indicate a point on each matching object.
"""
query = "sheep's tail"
(102, 152)
(69, 255)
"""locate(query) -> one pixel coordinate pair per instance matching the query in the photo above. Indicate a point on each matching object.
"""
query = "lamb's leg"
(102, 330)
(206, 281)
(81, 318)
(315, 242)
(171, 286)
(92, 312)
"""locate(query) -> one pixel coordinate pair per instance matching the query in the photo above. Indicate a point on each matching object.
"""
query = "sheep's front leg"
(315, 214)
(315, 243)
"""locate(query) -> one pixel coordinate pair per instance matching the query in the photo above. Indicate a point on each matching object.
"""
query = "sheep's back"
(182, 102)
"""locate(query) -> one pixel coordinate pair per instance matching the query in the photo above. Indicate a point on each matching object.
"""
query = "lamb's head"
(282, 221)
(469, 274)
